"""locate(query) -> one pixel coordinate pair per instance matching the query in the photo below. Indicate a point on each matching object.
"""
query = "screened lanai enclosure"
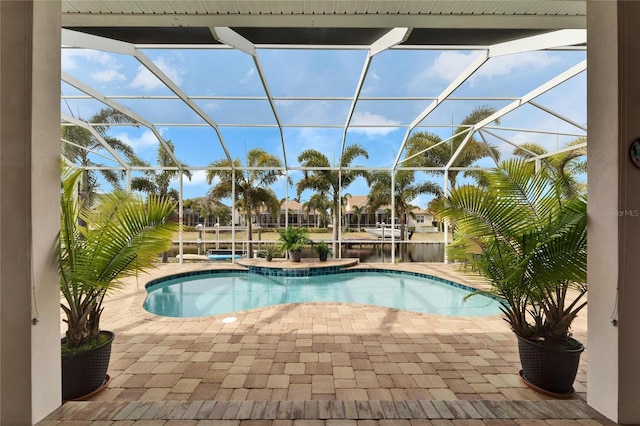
(350, 131)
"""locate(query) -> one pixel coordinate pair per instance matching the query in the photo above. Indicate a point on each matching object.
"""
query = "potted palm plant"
(292, 240)
(270, 251)
(323, 250)
(119, 236)
(529, 239)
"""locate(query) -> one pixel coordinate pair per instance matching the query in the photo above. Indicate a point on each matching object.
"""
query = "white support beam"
(484, 130)
(115, 105)
(537, 131)
(84, 148)
(434, 146)
(231, 38)
(565, 149)
(462, 77)
(561, 78)
(354, 100)
(459, 150)
(99, 137)
(390, 39)
(155, 70)
(393, 218)
(387, 41)
(560, 116)
(272, 104)
(489, 150)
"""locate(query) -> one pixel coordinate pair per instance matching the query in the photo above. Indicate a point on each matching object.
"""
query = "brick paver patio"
(316, 364)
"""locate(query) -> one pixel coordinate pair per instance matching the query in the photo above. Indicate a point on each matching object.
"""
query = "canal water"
(415, 252)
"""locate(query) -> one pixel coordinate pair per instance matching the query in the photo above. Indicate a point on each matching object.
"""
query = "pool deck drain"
(396, 364)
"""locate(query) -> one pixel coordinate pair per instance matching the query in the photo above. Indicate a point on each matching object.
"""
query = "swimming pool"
(227, 291)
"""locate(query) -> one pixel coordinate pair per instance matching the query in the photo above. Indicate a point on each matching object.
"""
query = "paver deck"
(316, 364)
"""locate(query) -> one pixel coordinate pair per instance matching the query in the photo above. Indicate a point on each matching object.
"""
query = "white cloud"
(196, 187)
(144, 79)
(511, 64)
(198, 181)
(212, 106)
(365, 118)
(144, 141)
(71, 57)
(108, 75)
(198, 177)
(173, 72)
(248, 76)
(447, 65)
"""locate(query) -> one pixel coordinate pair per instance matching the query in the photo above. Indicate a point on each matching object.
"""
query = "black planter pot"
(86, 372)
(295, 255)
(323, 257)
(550, 369)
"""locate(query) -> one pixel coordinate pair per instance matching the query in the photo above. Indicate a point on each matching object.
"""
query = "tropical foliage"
(292, 239)
(271, 250)
(319, 204)
(328, 180)
(426, 149)
(406, 189)
(122, 237)
(252, 186)
(529, 239)
(566, 166)
(322, 248)
(79, 143)
(157, 181)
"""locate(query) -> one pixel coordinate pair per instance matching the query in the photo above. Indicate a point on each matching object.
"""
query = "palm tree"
(83, 142)
(330, 181)
(222, 214)
(252, 186)
(157, 181)
(320, 204)
(358, 211)
(203, 205)
(428, 153)
(123, 237)
(565, 165)
(405, 189)
(188, 208)
(530, 240)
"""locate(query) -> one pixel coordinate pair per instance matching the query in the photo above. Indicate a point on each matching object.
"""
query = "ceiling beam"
(235, 40)
(550, 22)
(155, 70)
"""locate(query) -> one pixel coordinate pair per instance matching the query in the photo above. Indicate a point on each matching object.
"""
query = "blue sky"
(208, 75)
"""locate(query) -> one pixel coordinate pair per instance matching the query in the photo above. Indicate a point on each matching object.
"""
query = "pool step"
(237, 412)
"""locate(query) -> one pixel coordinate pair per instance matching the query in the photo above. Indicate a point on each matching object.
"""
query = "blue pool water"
(231, 291)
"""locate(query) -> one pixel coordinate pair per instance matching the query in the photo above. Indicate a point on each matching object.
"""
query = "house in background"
(357, 216)
(297, 216)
